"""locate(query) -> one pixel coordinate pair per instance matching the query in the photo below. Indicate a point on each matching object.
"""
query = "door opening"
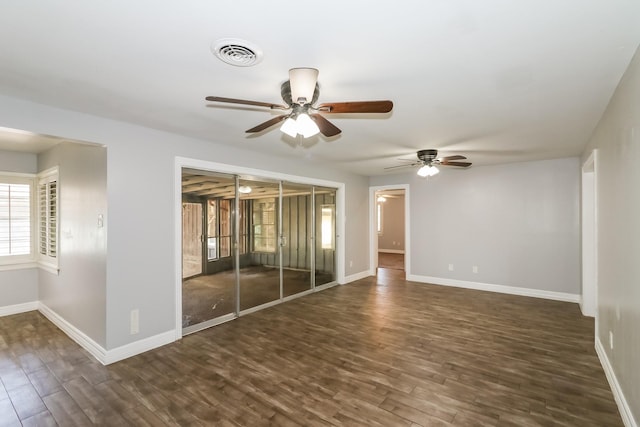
(389, 229)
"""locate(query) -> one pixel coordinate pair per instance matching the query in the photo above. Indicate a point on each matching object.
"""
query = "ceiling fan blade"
(357, 107)
(326, 127)
(408, 165)
(461, 164)
(456, 157)
(245, 102)
(267, 124)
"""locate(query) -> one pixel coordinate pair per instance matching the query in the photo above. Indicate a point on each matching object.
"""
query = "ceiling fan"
(428, 160)
(300, 94)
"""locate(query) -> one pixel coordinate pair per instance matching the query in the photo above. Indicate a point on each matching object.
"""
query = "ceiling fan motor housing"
(427, 155)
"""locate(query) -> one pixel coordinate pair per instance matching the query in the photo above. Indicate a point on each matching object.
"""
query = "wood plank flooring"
(377, 352)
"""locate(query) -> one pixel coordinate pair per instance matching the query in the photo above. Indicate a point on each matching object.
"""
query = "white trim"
(95, 349)
(8, 310)
(325, 286)
(244, 172)
(138, 347)
(298, 295)
(621, 401)
(503, 289)
(19, 265)
(391, 251)
(373, 233)
(49, 267)
(103, 356)
(589, 237)
(259, 307)
(357, 276)
(191, 329)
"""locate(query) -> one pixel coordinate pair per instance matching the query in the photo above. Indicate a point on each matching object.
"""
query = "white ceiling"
(496, 80)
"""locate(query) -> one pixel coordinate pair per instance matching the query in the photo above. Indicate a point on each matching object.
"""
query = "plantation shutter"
(48, 217)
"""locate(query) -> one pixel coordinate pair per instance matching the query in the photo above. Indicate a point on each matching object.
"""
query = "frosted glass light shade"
(428, 170)
(303, 84)
(290, 127)
(306, 126)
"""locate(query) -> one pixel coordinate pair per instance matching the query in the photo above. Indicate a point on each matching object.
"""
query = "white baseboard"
(95, 349)
(357, 276)
(503, 289)
(623, 406)
(138, 347)
(8, 310)
(391, 251)
(104, 356)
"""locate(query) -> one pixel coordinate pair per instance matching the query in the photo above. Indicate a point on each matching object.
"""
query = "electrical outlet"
(135, 321)
(350, 263)
(475, 268)
(450, 267)
(618, 312)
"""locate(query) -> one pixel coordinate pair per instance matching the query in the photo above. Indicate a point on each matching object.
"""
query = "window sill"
(24, 265)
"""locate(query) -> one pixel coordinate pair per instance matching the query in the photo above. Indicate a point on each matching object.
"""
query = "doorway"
(389, 218)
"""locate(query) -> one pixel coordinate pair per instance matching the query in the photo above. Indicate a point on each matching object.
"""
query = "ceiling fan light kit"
(300, 93)
(302, 125)
(428, 160)
(428, 170)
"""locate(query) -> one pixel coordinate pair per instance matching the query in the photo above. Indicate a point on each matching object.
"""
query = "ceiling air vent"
(237, 52)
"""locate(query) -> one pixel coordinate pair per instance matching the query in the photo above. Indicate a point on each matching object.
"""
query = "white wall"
(13, 161)
(18, 286)
(617, 139)
(518, 223)
(140, 180)
(78, 292)
(392, 237)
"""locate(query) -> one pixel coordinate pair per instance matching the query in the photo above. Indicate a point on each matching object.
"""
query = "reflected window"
(264, 225)
(328, 226)
(212, 229)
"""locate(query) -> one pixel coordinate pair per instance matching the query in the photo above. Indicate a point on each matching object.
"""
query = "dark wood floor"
(377, 352)
(390, 260)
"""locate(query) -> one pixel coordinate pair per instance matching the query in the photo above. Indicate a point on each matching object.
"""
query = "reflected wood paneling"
(378, 352)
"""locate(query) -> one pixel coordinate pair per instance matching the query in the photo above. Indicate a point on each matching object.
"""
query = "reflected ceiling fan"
(428, 160)
(300, 94)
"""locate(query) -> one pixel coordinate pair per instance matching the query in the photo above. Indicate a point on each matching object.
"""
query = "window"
(264, 225)
(48, 218)
(379, 218)
(29, 220)
(15, 219)
(327, 225)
